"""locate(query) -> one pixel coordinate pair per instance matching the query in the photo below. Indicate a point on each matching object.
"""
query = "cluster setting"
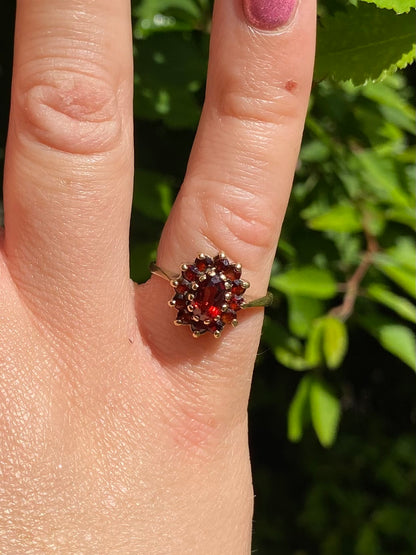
(208, 294)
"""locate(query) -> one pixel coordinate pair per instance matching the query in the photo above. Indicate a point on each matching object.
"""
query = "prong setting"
(208, 294)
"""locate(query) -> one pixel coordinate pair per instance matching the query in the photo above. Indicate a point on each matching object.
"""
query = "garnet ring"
(209, 293)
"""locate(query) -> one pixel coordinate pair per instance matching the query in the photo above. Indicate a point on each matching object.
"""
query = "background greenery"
(333, 406)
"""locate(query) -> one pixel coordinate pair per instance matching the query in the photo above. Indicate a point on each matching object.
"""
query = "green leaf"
(313, 348)
(153, 195)
(399, 6)
(381, 177)
(150, 8)
(375, 219)
(400, 305)
(165, 15)
(389, 99)
(325, 412)
(140, 257)
(171, 69)
(403, 214)
(362, 42)
(390, 267)
(297, 413)
(306, 282)
(344, 218)
(335, 341)
(288, 350)
(302, 312)
(399, 341)
(406, 59)
(404, 253)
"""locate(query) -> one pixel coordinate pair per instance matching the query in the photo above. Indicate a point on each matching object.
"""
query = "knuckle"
(257, 101)
(71, 112)
(235, 215)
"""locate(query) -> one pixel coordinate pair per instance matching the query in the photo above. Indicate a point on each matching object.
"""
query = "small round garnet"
(208, 294)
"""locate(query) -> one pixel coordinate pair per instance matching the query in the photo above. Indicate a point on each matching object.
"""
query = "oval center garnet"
(209, 298)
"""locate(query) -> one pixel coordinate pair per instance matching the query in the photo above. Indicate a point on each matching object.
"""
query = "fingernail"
(268, 15)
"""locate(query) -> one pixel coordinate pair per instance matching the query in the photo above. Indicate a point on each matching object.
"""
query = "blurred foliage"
(338, 344)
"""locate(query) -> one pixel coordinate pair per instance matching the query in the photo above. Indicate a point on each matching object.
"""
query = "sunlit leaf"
(335, 341)
(404, 214)
(392, 104)
(403, 276)
(400, 305)
(341, 217)
(325, 412)
(400, 341)
(399, 6)
(302, 312)
(313, 348)
(404, 253)
(307, 281)
(381, 177)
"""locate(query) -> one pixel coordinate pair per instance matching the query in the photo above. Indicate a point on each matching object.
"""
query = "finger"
(241, 169)
(69, 163)
(240, 173)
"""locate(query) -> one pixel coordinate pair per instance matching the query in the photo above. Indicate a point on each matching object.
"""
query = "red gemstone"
(180, 301)
(221, 264)
(183, 286)
(235, 303)
(232, 272)
(184, 317)
(228, 316)
(198, 326)
(209, 298)
(213, 311)
(215, 325)
(237, 288)
(203, 263)
(191, 273)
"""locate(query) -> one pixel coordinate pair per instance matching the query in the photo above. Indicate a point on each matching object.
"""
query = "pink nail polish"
(269, 14)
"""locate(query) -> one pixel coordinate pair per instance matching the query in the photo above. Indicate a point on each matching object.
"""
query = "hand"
(120, 433)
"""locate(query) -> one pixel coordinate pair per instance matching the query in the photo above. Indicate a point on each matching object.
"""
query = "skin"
(120, 433)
